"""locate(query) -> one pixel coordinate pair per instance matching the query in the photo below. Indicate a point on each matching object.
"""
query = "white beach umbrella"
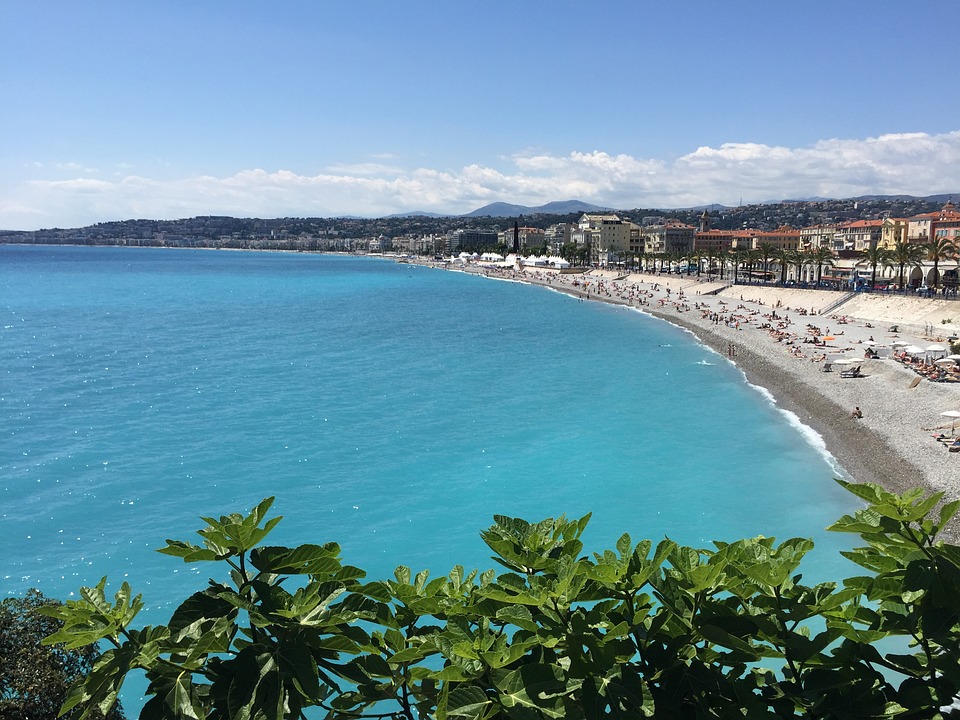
(899, 343)
(944, 361)
(954, 415)
(844, 361)
(913, 350)
(935, 349)
(953, 357)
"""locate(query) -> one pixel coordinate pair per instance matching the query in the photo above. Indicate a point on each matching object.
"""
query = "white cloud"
(911, 163)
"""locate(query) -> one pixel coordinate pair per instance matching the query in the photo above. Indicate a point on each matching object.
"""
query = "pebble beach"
(784, 339)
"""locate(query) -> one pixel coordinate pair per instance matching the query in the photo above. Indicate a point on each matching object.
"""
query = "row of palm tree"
(906, 254)
(720, 261)
(753, 261)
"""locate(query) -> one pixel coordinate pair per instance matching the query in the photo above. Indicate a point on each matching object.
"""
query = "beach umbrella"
(953, 357)
(900, 343)
(913, 350)
(944, 361)
(936, 348)
(953, 415)
(844, 361)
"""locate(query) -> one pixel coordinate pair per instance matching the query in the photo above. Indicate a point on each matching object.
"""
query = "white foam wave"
(811, 436)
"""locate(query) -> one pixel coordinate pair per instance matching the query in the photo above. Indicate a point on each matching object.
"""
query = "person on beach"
(857, 413)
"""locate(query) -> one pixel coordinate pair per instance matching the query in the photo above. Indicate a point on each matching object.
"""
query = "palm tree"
(766, 251)
(726, 257)
(710, 255)
(674, 258)
(874, 256)
(906, 253)
(798, 259)
(939, 248)
(783, 257)
(752, 259)
(821, 256)
(738, 256)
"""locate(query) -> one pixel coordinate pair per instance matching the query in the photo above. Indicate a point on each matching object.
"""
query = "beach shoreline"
(892, 445)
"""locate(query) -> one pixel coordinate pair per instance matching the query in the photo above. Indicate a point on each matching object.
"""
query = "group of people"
(929, 369)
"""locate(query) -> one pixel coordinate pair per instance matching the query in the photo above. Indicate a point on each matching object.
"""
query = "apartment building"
(817, 236)
(783, 238)
(670, 236)
(860, 235)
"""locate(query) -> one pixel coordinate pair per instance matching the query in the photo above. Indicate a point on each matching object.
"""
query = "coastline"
(891, 446)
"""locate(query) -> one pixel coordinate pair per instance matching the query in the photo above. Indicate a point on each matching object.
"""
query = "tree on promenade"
(751, 259)
(711, 255)
(641, 630)
(724, 256)
(821, 256)
(939, 248)
(783, 260)
(874, 256)
(903, 254)
(738, 257)
(767, 252)
(696, 256)
(35, 678)
(797, 259)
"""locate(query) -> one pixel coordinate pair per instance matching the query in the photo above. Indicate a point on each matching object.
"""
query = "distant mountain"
(563, 207)
(709, 208)
(416, 213)
(941, 198)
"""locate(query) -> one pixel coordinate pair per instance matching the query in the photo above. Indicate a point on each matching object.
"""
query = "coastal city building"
(669, 236)
(457, 240)
(556, 236)
(859, 235)
(892, 231)
(818, 236)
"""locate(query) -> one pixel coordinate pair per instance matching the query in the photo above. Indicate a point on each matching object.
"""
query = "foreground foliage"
(35, 678)
(637, 631)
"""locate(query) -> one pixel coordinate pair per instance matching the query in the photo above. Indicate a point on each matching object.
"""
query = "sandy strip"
(892, 445)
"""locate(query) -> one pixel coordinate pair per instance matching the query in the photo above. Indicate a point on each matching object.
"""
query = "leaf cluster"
(641, 630)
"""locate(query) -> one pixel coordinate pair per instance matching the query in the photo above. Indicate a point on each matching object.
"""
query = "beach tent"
(558, 262)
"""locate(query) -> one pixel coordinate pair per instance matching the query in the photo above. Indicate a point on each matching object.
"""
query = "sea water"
(391, 408)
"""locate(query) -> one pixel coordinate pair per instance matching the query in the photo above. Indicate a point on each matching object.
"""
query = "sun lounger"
(853, 373)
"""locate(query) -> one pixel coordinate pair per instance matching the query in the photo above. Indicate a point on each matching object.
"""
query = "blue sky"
(115, 110)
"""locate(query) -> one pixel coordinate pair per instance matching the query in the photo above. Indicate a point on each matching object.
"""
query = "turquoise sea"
(389, 407)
